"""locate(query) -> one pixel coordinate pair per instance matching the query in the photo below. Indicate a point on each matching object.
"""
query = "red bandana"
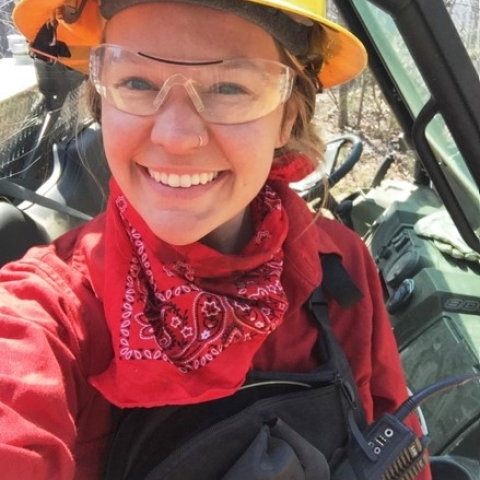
(291, 167)
(186, 321)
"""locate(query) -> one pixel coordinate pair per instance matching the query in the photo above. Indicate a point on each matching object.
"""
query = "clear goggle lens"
(224, 91)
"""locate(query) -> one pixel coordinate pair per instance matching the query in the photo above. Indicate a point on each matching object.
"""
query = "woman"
(200, 267)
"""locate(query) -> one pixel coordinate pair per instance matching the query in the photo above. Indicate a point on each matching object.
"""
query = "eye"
(228, 89)
(137, 84)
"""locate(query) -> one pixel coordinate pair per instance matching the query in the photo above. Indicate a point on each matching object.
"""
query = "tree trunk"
(343, 106)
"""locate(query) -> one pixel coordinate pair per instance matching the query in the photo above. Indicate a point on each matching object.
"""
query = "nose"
(177, 124)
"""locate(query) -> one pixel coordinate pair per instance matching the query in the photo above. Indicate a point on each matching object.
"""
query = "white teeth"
(182, 181)
(195, 179)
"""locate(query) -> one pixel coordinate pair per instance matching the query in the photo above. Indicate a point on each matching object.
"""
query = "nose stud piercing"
(200, 141)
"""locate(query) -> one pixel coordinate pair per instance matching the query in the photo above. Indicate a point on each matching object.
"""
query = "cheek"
(113, 133)
(253, 143)
(122, 133)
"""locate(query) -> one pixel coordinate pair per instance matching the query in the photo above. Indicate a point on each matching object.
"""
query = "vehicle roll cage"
(434, 43)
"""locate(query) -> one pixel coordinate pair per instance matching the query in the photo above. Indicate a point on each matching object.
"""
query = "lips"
(182, 181)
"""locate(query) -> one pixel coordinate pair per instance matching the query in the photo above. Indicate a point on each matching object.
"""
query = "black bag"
(278, 426)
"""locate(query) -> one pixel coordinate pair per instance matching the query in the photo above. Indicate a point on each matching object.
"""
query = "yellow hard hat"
(78, 24)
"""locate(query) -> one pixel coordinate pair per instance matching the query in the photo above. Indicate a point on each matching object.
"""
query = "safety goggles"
(223, 91)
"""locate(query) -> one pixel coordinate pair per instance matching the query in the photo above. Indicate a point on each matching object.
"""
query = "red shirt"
(54, 425)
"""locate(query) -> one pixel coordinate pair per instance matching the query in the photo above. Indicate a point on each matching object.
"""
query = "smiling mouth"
(182, 181)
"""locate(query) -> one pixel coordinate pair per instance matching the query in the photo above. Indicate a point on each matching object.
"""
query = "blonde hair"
(305, 137)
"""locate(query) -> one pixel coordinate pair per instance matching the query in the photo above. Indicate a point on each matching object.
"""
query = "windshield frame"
(448, 74)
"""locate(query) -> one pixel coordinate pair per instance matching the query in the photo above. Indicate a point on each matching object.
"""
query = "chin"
(179, 230)
(179, 239)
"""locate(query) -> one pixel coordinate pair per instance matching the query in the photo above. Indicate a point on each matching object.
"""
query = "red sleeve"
(42, 382)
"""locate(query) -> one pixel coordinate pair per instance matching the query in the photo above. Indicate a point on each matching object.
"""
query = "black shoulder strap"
(338, 282)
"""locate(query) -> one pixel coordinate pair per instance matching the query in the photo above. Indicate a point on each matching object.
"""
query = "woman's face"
(234, 159)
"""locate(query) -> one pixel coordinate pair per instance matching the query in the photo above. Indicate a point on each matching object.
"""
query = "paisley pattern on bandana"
(170, 314)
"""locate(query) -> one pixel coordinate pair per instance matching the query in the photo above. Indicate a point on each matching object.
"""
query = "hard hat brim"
(344, 55)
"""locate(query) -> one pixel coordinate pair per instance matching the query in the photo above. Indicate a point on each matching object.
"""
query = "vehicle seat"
(18, 232)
